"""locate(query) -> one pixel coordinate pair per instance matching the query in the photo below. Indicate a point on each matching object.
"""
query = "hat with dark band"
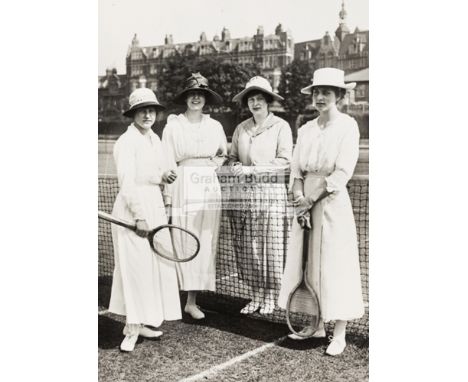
(142, 97)
(197, 82)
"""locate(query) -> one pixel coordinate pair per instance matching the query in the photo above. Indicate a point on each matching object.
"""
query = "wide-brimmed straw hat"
(328, 77)
(257, 83)
(142, 97)
(197, 82)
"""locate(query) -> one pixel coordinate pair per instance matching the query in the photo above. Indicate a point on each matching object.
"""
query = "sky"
(151, 20)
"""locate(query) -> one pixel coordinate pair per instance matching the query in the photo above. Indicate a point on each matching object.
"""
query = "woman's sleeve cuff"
(330, 187)
(296, 175)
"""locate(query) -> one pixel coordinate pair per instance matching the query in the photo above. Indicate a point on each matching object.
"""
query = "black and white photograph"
(248, 226)
(233, 162)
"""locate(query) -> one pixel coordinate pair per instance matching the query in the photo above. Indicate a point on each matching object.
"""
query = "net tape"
(232, 279)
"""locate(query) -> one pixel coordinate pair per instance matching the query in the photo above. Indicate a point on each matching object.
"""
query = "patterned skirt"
(260, 217)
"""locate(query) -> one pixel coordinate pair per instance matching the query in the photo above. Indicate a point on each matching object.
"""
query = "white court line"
(215, 369)
(102, 312)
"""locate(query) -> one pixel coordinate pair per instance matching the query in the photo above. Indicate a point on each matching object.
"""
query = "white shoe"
(337, 345)
(128, 343)
(308, 333)
(149, 333)
(194, 311)
(267, 308)
(251, 307)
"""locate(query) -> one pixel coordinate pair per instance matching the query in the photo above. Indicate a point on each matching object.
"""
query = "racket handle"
(112, 219)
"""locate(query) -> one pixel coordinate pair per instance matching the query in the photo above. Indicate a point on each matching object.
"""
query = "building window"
(360, 91)
(136, 56)
(137, 70)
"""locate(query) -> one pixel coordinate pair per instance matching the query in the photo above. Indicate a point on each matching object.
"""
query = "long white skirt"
(196, 206)
(144, 286)
(333, 258)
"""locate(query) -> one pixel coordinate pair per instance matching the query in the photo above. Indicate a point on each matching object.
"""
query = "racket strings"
(237, 272)
(305, 302)
(175, 243)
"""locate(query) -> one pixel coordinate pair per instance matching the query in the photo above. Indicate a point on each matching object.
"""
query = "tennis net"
(236, 275)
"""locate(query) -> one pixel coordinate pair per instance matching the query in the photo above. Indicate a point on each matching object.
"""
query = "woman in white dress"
(144, 286)
(324, 159)
(260, 154)
(198, 145)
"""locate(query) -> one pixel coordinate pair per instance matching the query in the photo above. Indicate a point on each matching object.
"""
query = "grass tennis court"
(228, 346)
(195, 349)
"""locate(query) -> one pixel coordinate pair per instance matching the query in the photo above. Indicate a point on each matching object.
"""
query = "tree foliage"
(294, 77)
(225, 78)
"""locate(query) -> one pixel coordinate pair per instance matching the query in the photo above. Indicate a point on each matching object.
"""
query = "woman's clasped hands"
(302, 206)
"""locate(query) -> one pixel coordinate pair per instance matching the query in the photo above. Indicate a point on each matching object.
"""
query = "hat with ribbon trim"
(197, 82)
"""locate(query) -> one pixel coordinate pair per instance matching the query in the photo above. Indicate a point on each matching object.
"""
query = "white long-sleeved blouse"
(332, 151)
(185, 140)
(269, 147)
(140, 161)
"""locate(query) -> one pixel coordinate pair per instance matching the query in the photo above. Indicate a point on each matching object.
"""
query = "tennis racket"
(158, 236)
(303, 297)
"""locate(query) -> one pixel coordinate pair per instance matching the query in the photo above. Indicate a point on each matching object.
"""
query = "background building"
(271, 52)
(360, 95)
(112, 95)
(346, 50)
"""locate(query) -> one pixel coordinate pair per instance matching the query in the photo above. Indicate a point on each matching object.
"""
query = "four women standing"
(195, 146)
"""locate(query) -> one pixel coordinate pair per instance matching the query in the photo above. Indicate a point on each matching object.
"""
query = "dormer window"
(136, 56)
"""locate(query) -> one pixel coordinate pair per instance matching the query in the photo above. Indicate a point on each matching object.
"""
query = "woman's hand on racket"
(302, 206)
(169, 176)
(304, 221)
(142, 228)
(157, 238)
(303, 203)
